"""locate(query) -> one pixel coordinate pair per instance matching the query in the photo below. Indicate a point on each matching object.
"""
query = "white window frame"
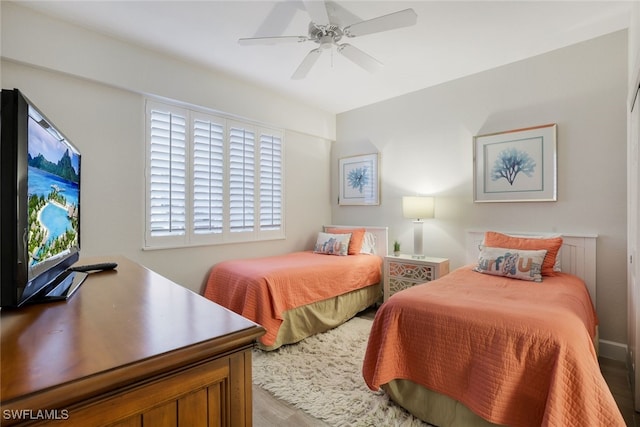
(191, 237)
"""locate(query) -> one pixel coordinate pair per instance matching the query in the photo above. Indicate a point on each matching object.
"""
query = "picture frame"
(516, 166)
(359, 180)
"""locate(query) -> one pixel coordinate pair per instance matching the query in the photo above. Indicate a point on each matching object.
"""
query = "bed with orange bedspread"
(513, 352)
(297, 294)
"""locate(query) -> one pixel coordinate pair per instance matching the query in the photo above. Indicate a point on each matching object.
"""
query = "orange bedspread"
(261, 289)
(516, 353)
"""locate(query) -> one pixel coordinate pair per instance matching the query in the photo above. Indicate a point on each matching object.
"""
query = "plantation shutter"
(167, 174)
(208, 176)
(270, 182)
(241, 179)
(211, 179)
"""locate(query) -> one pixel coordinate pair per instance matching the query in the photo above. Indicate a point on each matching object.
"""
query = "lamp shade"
(417, 207)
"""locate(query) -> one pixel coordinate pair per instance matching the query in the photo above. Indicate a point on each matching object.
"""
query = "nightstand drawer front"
(413, 272)
(403, 271)
(397, 284)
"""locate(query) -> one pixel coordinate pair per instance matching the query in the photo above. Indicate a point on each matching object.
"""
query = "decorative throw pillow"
(357, 237)
(513, 263)
(368, 243)
(557, 266)
(332, 244)
(551, 245)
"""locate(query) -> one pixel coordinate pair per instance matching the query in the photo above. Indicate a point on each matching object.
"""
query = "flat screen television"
(39, 206)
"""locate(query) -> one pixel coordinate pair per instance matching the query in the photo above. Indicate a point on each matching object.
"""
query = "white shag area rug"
(322, 375)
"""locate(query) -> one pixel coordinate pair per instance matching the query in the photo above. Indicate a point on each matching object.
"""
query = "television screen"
(39, 206)
(53, 182)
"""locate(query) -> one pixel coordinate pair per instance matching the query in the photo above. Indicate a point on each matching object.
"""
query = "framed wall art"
(359, 180)
(516, 166)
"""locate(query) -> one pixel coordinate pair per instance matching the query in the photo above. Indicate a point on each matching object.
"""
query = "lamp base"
(417, 240)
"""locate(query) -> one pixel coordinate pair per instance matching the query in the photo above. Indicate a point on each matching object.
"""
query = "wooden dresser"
(130, 348)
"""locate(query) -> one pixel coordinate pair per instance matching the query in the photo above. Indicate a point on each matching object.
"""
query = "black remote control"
(94, 267)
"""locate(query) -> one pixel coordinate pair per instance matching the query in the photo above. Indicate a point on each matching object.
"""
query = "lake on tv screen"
(53, 214)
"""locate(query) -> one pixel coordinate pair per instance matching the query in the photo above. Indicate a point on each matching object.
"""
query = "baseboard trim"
(612, 350)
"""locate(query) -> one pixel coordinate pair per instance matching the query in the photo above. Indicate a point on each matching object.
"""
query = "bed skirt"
(302, 322)
(434, 408)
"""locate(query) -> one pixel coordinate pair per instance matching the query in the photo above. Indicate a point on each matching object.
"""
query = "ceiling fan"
(327, 34)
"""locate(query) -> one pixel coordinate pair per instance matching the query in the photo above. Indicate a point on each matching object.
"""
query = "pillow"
(357, 237)
(557, 266)
(368, 243)
(551, 245)
(332, 244)
(513, 263)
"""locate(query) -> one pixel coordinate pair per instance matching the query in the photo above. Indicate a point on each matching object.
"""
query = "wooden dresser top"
(120, 326)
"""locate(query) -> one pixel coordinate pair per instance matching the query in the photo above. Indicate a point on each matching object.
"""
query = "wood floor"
(269, 411)
(616, 375)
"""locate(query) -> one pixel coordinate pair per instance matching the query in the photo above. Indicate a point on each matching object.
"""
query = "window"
(211, 179)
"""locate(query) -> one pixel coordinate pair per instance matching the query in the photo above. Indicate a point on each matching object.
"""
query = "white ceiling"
(451, 39)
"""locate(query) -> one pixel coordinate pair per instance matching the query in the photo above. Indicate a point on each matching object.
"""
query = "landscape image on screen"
(54, 192)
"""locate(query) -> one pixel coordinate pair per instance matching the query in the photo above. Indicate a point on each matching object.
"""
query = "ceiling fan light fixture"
(327, 34)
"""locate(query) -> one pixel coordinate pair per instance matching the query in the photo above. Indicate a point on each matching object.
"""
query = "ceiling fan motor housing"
(324, 34)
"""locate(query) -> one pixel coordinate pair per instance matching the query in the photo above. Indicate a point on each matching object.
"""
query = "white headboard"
(577, 255)
(381, 233)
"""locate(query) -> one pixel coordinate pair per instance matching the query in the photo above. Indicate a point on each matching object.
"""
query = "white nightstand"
(403, 271)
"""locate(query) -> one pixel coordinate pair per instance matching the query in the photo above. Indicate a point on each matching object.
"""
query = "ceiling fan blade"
(403, 18)
(340, 16)
(317, 11)
(272, 40)
(279, 18)
(306, 64)
(360, 58)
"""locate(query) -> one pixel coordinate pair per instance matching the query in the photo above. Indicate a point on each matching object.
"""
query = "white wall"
(92, 88)
(425, 142)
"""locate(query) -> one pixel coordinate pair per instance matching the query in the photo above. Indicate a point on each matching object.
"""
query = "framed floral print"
(359, 180)
(516, 166)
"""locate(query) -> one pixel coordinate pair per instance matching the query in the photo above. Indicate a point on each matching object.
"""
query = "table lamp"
(417, 208)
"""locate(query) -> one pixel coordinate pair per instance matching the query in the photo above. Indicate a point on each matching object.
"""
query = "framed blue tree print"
(516, 166)
(359, 180)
